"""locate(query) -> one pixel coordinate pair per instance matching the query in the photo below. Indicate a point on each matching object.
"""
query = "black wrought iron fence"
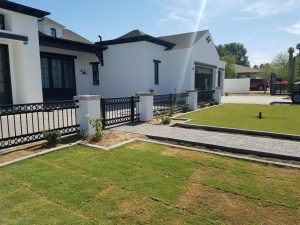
(162, 104)
(284, 89)
(120, 110)
(26, 123)
(205, 96)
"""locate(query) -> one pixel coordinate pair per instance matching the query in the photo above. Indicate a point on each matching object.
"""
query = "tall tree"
(237, 50)
(280, 64)
(229, 69)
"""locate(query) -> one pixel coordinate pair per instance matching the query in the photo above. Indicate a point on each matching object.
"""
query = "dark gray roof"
(245, 69)
(12, 6)
(134, 33)
(185, 40)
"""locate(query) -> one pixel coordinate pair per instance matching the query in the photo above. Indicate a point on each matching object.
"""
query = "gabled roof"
(137, 36)
(178, 41)
(72, 36)
(50, 21)
(8, 5)
(245, 69)
(134, 33)
(66, 33)
(185, 40)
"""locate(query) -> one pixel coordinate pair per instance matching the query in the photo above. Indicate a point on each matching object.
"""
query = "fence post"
(218, 95)
(192, 100)
(145, 106)
(103, 114)
(89, 108)
(132, 108)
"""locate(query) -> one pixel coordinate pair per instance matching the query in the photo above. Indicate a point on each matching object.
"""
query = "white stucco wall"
(237, 86)
(129, 68)
(24, 57)
(45, 28)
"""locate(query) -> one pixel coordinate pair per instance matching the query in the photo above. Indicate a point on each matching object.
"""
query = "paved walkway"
(262, 146)
(254, 99)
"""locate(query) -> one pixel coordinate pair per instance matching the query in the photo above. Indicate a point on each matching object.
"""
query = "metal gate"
(120, 110)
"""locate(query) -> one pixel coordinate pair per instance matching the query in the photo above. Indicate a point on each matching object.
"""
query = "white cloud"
(271, 7)
(293, 29)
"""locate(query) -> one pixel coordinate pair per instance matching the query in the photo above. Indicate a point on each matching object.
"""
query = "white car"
(297, 82)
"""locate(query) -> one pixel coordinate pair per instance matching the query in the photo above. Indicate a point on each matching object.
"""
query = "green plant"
(97, 125)
(166, 120)
(52, 137)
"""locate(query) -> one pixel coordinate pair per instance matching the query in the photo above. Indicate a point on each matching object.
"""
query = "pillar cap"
(190, 91)
(144, 94)
(87, 97)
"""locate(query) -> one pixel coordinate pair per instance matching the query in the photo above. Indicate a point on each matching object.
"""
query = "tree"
(280, 64)
(265, 71)
(229, 69)
(234, 49)
(255, 67)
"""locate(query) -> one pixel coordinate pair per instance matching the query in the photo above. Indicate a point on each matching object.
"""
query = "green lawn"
(278, 119)
(142, 183)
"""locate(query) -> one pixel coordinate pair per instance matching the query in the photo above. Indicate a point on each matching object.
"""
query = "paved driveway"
(235, 142)
(254, 99)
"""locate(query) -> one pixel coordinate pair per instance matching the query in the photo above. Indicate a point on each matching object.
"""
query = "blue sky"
(265, 27)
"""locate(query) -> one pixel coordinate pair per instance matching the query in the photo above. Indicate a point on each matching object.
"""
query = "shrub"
(97, 125)
(52, 137)
(166, 120)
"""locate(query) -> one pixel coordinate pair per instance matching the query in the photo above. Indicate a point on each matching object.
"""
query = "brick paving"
(262, 146)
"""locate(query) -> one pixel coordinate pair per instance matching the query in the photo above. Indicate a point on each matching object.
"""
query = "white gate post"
(218, 95)
(192, 100)
(89, 108)
(145, 106)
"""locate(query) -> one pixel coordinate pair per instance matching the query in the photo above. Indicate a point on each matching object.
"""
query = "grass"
(278, 119)
(142, 183)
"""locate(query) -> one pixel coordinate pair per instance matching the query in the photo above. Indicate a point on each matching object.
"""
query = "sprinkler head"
(260, 116)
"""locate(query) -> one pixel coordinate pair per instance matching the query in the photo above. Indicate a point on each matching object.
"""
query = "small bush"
(166, 120)
(97, 125)
(52, 137)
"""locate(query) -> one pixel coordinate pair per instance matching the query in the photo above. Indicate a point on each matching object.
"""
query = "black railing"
(26, 123)
(119, 110)
(205, 96)
(162, 104)
(284, 89)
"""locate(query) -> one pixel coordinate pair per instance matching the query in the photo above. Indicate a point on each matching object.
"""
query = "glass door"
(5, 81)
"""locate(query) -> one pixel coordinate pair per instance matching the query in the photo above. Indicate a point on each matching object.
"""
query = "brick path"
(262, 146)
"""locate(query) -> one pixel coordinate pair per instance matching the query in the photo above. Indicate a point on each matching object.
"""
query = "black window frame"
(2, 22)
(53, 32)
(96, 73)
(219, 78)
(156, 71)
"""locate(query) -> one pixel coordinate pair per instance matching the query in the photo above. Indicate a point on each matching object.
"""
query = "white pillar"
(217, 95)
(145, 106)
(89, 108)
(192, 100)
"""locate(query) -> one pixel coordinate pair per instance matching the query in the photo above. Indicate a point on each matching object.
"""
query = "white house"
(20, 73)
(41, 60)
(139, 62)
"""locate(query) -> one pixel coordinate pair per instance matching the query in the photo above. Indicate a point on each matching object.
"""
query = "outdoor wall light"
(83, 72)
(25, 42)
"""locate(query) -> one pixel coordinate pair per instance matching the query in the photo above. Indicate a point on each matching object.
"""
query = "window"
(45, 73)
(95, 67)
(219, 78)
(2, 22)
(53, 32)
(156, 71)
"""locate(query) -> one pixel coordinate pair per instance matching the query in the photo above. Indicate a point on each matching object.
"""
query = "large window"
(58, 77)
(2, 22)
(95, 67)
(219, 78)
(156, 71)
(53, 32)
